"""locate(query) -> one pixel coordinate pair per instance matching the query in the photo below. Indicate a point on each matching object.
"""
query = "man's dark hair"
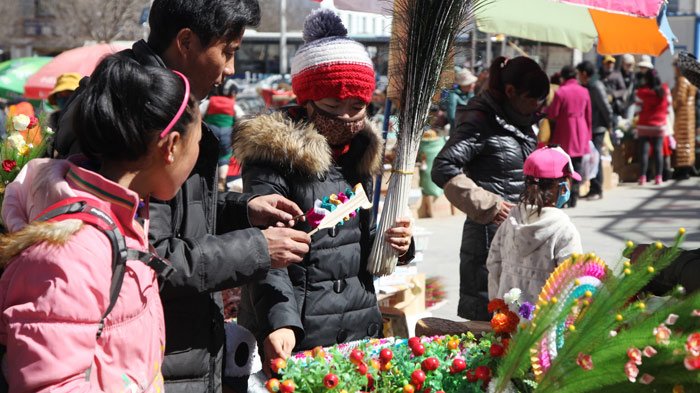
(209, 19)
(586, 67)
(568, 72)
(125, 106)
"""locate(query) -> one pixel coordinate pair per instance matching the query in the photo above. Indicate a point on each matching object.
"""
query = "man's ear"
(184, 41)
(510, 91)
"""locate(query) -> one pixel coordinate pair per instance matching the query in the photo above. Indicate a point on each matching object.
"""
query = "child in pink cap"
(538, 235)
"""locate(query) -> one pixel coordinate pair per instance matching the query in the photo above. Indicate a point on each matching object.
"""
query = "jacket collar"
(145, 55)
(294, 146)
(124, 204)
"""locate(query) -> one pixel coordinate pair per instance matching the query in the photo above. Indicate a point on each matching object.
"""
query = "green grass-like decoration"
(592, 335)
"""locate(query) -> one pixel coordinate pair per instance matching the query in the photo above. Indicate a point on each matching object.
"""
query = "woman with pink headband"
(79, 292)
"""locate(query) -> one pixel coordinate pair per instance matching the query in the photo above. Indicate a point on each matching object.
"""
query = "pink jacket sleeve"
(52, 299)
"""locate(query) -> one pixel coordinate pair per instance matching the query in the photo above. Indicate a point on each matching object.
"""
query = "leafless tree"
(297, 11)
(10, 20)
(100, 20)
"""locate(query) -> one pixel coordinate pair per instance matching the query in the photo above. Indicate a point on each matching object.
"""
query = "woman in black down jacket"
(481, 166)
(319, 148)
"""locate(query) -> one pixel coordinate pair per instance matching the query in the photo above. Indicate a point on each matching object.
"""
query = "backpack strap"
(86, 210)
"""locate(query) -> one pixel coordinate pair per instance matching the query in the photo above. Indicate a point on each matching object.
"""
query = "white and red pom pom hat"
(329, 64)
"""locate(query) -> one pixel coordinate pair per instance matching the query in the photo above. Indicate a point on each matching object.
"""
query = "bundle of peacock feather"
(424, 33)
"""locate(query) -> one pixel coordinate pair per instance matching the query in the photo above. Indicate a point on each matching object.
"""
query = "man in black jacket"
(602, 120)
(207, 237)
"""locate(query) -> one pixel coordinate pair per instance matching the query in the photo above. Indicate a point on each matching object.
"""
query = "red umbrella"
(82, 60)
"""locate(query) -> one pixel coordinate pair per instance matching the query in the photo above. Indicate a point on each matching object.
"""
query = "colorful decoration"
(337, 209)
(26, 136)
(595, 331)
(570, 287)
(419, 364)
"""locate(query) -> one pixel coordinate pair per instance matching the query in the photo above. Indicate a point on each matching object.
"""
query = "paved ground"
(641, 214)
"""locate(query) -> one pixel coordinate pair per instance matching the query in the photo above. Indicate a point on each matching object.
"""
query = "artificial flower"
(672, 318)
(692, 345)
(496, 304)
(505, 322)
(649, 351)
(646, 379)
(584, 361)
(526, 310)
(692, 363)
(635, 355)
(20, 122)
(662, 334)
(631, 371)
(24, 150)
(8, 165)
(33, 121)
(16, 140)
(512, 296)
(49, 131)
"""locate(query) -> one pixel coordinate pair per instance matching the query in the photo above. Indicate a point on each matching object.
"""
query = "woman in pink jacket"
(570, 116)
(143, 126)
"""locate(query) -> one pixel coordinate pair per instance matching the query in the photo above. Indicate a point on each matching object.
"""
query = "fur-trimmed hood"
(296, 146)
(58, 233)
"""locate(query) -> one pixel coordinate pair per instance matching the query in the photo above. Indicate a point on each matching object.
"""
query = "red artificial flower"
(692, 345)
(692, 363)
(330, 381)
(635, 355)
(631, 371)
(483, 373)
(386, 355)
(273, 385)
(413, 341)
(505, 322)
(471, 375)
(357, 356)
(33, 121)
(430, 364)
(584, 361)
(458, 365)
(362, 368)
(287, 386)
(496, 305)
(8, 165)
(496, 350)
(662, 334)
(277, 364)
(418, 349)
(417, 377)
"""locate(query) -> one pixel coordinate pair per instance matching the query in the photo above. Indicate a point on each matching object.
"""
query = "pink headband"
(182, 106)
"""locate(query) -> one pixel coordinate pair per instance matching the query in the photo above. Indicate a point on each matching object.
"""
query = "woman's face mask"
(338, 130)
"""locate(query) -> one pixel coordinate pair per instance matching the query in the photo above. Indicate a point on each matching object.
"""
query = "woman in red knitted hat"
(321, 147)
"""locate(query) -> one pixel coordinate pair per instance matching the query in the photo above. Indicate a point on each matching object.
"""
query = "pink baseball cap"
(550, 162)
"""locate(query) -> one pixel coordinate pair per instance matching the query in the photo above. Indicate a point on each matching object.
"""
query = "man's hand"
(272, 210)
(286, 246)
(503, 212)
(278, 344)
(399, 236)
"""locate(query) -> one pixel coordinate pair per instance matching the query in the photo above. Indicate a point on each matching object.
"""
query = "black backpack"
(87, 211)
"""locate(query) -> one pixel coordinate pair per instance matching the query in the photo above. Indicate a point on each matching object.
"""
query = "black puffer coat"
(329, 297)
(487, 149)
(207, 237)
(481, 165)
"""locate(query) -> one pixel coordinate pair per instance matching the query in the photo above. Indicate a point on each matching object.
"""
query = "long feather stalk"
(428, 29)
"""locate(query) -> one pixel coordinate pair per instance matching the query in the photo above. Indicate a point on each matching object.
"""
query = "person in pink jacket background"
(570, 111)
(143, 125)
